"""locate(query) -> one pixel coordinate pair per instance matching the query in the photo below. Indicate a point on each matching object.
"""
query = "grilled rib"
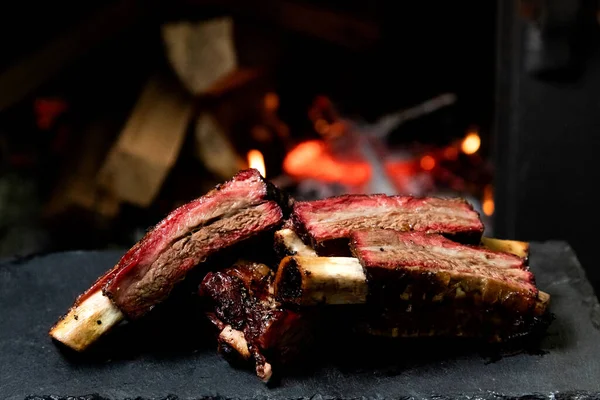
(391, 310)
(431, 268)
(231, 213)
(326, 225)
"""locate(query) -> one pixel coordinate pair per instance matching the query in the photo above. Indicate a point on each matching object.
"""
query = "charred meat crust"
(242, 296)
(281, 197)
(290, 280)
(450, 321)
(455, 319)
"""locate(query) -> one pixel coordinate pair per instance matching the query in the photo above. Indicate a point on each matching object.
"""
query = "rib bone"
(236, 340)
(288, 243)
(519, 249)
(321, 280)
(87, 321)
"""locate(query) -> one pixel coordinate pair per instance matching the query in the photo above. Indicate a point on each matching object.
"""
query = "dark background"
(547, 116)
(527, 73)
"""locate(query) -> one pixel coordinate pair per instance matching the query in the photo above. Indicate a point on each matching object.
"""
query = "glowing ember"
(451, 153)
(271, 101)
(488, 200)
(311, 159)
(427, 163)
(337, 129)
(321, 126)
(47, 110)
(471, 143)
(256, 160)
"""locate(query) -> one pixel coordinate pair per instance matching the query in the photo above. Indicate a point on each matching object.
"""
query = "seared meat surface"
(242, 306)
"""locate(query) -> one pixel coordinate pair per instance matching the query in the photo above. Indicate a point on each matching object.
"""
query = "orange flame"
(488, 200)
(257, 161)
(471, 143)
(311, 159)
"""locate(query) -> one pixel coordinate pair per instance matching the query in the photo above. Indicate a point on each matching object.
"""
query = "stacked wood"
(200, 53)
(149, 144)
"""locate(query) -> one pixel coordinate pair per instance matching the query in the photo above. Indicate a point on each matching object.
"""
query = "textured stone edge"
(570, 395)
(581, 283)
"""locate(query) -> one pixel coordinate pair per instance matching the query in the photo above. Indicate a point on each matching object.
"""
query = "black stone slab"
(178, 358)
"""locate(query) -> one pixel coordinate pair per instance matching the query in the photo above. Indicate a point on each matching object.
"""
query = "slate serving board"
(178, 358)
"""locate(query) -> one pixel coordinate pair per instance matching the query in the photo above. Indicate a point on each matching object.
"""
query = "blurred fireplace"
(332, 97)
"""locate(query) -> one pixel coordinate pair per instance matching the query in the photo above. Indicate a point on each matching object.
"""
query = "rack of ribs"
(397, 266)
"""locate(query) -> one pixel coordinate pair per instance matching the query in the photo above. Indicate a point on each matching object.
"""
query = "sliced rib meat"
(426, 268)
(327, 224)
(232, 212)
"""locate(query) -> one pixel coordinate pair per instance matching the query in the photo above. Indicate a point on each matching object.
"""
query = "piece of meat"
(303, 279)
(447, 321)
(233, 212)
(327, 224)
(243, 308)
(428, 268)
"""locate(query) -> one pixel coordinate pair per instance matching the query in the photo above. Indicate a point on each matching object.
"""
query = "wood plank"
(200, 52)
(149, 143)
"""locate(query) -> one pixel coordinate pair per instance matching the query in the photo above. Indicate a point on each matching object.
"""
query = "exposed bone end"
(542, 303)
(86, 322)
(264, 371)
(288, 243)
(236, 340)
(519, 249)
(310, 281)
